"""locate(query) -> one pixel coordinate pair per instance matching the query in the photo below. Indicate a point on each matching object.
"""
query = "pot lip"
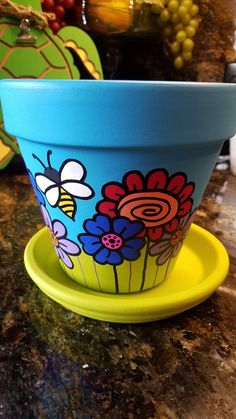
(28, 83)
(88, 110)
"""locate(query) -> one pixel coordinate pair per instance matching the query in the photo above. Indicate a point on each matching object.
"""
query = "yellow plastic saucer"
(201, 267)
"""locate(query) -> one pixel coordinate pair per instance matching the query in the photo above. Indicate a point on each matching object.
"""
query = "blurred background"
(155, 39)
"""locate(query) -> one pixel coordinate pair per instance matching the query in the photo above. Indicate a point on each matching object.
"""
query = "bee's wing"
(72, 170)
(72, 175)
(43, 182)
(49, 187)
(77, 189)
(52, 195)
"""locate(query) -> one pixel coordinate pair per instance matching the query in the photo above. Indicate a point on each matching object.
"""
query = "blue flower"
(112, 240)
(37, 192)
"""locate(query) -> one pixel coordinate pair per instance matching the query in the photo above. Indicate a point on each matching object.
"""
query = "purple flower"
(63, 246)
(171, 243)
(112, 240)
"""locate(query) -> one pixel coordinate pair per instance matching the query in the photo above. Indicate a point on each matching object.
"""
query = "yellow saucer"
(201, 267)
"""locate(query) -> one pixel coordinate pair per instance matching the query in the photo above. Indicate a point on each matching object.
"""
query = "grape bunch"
(178, 21)
(61, 9)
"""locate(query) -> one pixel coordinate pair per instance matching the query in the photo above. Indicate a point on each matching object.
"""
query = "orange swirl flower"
(157, 199)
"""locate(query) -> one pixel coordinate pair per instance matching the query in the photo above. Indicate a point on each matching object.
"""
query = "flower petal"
(186, 192)
(59, 229)
(131, 249)
(98, 226)
(106, 207)
(101, 256)
(176, 183)
(58, 251)
(69, 247)
(187, 225)
(172, 225)
(134, 181)
(46, 216)
(65, 258)
(159, 247)
(177, 248)
(91, 244)
(165, 256)
(157, 180)
(183, 221)
(129, 253)
(185, 207)
(114, 258)
(155, 233)
(113, 191)
(108, 256)
(126, 228)
(136, 243)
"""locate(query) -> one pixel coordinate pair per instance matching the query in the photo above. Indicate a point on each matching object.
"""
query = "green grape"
(178, 27)
(187, 4)
(188, 44)
(178, 62)
(164, 16)
(190, 31)
(194, 23)
(173, 5)
(174, 17)
(175, 47)
(194, 10)
(182, 11)
(157, 8)
(186, 19)
(187, 55)
(180, 36)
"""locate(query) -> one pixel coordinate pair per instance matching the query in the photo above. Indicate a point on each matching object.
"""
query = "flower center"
(176, 238)
(152, 208)
(53, 238)
(112, 241)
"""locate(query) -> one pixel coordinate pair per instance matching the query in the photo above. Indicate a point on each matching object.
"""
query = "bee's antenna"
(40, 161)
(48, 158)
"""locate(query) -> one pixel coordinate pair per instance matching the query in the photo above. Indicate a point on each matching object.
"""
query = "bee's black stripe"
(67, 204)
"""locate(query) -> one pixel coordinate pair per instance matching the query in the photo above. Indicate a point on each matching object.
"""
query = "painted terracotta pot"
(118, 169)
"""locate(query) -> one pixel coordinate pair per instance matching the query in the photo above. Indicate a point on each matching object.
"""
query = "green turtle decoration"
(29, 50)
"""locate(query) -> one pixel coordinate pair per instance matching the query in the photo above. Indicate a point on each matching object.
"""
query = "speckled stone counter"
(55, 364)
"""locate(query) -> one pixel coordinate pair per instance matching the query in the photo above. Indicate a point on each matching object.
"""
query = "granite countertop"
(55, 364)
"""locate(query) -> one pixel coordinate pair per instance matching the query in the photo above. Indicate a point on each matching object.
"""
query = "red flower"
(159, 201)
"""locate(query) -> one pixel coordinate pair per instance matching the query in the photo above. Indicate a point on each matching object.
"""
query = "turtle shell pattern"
(47, 58)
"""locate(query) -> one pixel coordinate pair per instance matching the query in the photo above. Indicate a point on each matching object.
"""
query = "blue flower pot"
(118, 168)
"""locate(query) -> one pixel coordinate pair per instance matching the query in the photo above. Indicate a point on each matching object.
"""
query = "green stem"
(82, 271)
(96, 273)
(130, 275)
(145, 265)
(154, 282)
(167, 268)
(116, 279)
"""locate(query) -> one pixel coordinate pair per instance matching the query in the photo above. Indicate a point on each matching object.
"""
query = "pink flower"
(171, 243)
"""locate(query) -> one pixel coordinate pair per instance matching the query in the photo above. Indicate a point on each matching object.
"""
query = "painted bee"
(60, 188)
